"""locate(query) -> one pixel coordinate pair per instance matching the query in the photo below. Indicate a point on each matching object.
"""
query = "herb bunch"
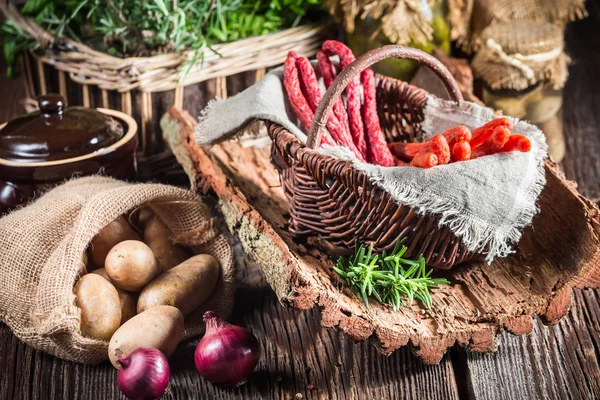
(144, 27)
(389, 278)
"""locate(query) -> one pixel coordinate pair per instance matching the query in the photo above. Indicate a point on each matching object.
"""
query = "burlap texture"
(469, 18)
(519, 54)
(41, 247)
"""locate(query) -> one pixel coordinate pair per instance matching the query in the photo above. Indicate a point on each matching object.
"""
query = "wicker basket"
(145, 87)
(329, 198)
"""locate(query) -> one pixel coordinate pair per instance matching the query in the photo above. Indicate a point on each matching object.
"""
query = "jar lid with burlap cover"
(520, 54)
(468, 18)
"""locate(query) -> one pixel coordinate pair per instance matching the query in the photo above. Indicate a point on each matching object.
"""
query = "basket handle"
(363, 62)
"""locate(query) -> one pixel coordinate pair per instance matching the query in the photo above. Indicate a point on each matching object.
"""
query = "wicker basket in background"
(145, 87)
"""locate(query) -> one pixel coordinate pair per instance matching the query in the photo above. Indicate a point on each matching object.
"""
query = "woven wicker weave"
(331, 199)
(128, 84)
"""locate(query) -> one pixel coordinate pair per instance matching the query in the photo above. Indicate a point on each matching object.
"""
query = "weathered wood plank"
(581, 113)
(581, 104)
(557, 362)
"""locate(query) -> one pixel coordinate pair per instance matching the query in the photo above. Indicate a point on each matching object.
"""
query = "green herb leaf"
(385, 277)
(33, 6)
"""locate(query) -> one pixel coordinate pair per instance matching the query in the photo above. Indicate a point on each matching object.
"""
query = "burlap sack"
(41, 247)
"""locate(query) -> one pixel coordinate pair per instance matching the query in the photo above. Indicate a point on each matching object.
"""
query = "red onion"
(227, 354)
(144, 374)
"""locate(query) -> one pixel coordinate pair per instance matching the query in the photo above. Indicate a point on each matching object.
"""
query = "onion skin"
(227, 354)
(144, 374)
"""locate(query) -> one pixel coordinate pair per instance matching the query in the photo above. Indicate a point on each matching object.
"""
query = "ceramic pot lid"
(57, 132)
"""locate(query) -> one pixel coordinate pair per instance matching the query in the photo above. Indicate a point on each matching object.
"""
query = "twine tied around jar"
(519, 60)
(519, 54)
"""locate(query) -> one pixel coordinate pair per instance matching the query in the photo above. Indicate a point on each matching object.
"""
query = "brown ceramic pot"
(44, 148)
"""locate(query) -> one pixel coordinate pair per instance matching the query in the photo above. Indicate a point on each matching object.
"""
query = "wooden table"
(303, 361)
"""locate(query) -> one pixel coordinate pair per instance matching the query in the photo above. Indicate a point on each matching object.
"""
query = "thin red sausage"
(308, 76)
(378, 151)
(297, 100)
(333, 47)
(328, 73)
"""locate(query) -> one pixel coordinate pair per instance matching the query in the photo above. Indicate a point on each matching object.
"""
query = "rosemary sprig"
(389, 278)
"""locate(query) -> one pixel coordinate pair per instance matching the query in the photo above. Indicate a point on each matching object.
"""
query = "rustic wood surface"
(481, 301)
(302, 360)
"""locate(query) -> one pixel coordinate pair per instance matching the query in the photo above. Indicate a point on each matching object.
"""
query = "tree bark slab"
(558, 252)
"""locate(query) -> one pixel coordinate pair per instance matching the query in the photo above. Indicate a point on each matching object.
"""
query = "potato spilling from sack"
(114, 233)
(128, 300)
(100, 307)
(168, 254)
(131, 265)
(186, 286)
(159, 327)
(136, 293)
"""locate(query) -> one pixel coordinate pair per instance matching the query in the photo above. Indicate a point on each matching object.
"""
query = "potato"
(117, 231)
(130, 265)
(159, 327)
(99, 303)
(102, 273)
(144, 215)
(185, 286)
(128, 303)
(168, 254)
(127, 300)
